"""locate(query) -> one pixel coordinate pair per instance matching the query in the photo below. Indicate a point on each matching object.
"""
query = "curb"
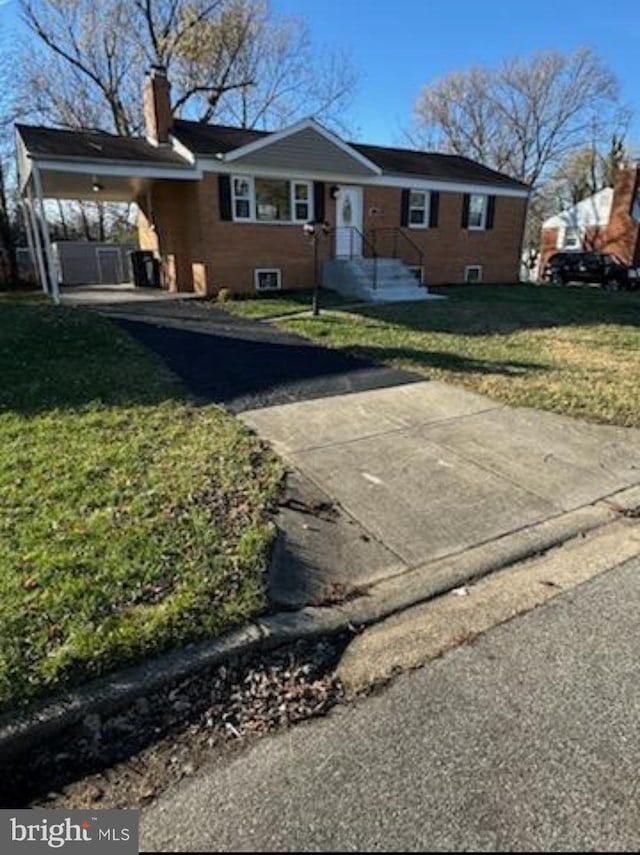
(107, 694)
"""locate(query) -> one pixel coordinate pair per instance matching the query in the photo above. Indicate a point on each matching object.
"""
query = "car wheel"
(557, 278)
(612, 285)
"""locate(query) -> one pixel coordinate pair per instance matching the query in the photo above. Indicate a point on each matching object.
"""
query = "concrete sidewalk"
(425, 470)
(390, 474)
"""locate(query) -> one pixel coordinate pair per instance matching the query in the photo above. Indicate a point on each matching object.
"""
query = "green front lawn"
(131, 520)
(570, 350)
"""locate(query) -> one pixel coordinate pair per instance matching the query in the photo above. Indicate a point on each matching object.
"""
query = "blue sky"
(398, 46)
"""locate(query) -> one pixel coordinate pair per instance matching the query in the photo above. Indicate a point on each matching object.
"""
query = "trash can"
(145, 269)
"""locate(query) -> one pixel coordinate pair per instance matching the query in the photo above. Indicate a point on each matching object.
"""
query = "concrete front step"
(355, 278)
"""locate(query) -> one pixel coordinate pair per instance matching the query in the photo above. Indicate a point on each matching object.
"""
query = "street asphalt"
(525, 740)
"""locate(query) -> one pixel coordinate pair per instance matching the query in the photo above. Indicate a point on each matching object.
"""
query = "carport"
(84, 165)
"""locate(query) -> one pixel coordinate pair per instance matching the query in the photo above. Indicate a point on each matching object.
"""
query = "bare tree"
(8, 225)
(525, 116)
(586, 171)
(227, 60)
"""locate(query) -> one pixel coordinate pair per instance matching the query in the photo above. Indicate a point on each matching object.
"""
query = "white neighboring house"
(606, 222)
(572, 225)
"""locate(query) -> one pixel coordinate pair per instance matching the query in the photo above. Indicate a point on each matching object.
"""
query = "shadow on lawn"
(486, 310)
(425, 359)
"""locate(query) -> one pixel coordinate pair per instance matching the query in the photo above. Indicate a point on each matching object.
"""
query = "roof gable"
(593, 211)
(305, 146)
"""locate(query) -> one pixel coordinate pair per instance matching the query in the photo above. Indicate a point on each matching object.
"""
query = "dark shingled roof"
(44, 142)
(209, 140)
(443, 167)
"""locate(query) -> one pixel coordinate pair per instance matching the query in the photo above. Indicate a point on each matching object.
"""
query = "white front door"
(348, 221)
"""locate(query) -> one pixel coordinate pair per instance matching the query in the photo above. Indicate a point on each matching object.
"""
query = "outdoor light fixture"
(97, 187)
(334, 191)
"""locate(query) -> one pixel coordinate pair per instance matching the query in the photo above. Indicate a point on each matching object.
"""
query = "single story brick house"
(608, 221)
(225, 207)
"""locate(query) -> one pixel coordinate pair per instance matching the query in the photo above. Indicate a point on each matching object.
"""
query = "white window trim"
(483, 226)
(562, 238)
(427, 208)
(466, 274)
(251, 197)
(256, 278)
(252, 218)
(309, 201)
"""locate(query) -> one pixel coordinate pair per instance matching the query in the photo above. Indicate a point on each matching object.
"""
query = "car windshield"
(614, 258)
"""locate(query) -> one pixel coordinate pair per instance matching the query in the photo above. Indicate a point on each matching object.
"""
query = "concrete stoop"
(387, 281)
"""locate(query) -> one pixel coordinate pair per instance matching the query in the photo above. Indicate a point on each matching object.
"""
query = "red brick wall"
(202, 252)
(449, 248)
(623, 232)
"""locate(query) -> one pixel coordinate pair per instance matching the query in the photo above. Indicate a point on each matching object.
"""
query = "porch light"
(97, 186)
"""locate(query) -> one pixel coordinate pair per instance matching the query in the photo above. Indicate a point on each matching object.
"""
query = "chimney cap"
(158, 70)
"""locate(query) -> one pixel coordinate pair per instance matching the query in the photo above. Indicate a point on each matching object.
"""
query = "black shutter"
(434, 206)
(224, 189)
(466, 200)
(318, 202)
(404, 208)
(491, 212)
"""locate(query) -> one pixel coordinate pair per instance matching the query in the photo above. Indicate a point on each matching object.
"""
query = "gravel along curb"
(108, 694)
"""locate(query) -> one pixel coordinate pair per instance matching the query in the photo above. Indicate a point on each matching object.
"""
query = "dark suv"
(602, 268)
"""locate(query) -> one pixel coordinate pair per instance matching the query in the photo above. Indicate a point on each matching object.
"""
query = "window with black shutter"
(434, 208)
(466, 201)
(404, 207)
(224, 190)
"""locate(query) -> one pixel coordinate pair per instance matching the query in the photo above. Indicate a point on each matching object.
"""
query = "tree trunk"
(8, 253)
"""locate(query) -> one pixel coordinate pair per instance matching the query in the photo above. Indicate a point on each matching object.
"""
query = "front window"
(418, 205)
(301, 201)
(272, 200)
(242, 198)
(477, 211)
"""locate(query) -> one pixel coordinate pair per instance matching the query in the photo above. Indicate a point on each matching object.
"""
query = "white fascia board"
(182, 150)
(412, 182)
(116, 170)
(265, 142)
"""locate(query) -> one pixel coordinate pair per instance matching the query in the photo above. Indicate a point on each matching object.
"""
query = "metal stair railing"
(366, 246)
(397, 235)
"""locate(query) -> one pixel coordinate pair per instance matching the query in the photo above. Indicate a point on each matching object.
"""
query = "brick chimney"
(623, 231)
(157, 105)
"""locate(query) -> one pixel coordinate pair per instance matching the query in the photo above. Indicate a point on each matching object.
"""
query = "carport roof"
(96, 146)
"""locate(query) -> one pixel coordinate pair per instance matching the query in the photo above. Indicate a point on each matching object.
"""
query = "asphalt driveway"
(389, 473)
(244, 364)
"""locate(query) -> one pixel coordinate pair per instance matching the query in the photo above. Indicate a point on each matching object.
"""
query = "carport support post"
(42, 272)
(30, 242)
(51, 262)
